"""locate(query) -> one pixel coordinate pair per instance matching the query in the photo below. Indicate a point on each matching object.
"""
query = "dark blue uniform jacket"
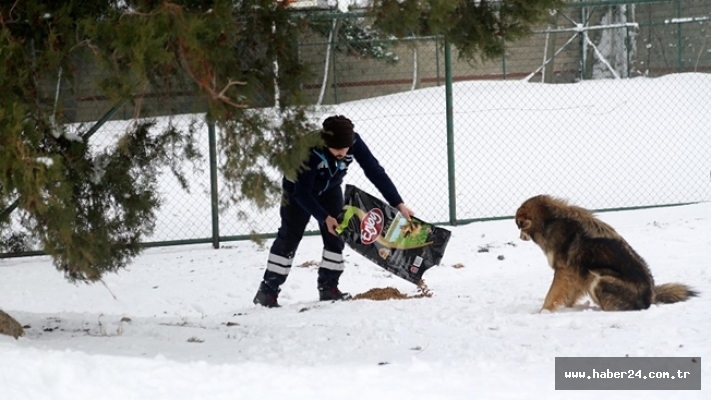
(324, 171)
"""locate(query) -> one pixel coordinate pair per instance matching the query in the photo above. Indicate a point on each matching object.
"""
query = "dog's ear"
(526, 224)
(523, 223)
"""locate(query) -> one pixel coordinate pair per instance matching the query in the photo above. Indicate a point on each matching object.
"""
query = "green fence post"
(503, 65)
(679, 43)
(213, 184)
(335, 69)
(437, 58)
(109, 114)
(628, 45)
(6, 212)
(450, 131)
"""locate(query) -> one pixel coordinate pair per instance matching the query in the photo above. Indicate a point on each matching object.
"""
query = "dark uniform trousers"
(293, 224)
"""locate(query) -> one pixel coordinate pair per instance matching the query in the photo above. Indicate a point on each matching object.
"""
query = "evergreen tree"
(355, 37)
(90, 209)
(477, 28)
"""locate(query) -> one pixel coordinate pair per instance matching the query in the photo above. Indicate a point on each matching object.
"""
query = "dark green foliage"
(365, 42)
(354, 37)
(474, 27)
(89, 208)
(15, 242)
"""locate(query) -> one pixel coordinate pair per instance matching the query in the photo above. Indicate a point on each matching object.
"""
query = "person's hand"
(405, 211)
(331, 224)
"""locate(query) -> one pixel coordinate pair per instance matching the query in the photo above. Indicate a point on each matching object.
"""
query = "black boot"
(266, 296)
(325, 294)
(327, 284)
(266, 300)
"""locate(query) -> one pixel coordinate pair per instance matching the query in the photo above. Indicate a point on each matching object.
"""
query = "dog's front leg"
(561, 289)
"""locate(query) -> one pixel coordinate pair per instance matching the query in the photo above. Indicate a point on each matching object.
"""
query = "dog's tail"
(672, 293)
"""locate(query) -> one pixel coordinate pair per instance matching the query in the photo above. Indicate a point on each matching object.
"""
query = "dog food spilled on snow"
(390, 293)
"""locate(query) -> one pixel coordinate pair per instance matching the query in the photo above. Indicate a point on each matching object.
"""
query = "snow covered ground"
(179, 323)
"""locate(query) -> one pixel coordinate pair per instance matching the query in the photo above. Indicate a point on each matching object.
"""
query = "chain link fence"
(608, 105)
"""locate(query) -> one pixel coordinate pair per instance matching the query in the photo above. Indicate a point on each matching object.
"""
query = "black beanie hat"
(337, 132)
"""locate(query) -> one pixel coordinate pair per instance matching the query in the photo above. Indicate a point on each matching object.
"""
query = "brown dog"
(589, 257)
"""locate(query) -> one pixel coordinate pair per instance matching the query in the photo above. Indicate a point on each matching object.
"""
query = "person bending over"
(316, 192)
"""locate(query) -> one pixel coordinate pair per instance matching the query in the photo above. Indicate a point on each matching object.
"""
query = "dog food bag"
(381, 234)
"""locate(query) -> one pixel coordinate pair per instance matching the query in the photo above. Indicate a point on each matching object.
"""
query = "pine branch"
(209, 88)
(9, 14)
